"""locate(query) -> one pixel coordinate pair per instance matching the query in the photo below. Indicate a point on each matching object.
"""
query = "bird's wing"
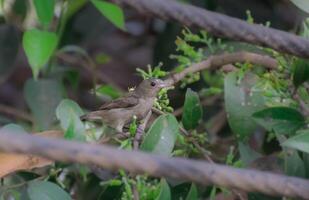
(124, 102)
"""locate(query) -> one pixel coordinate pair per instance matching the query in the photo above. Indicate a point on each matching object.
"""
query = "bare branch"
(158, 166)
(15, 112)
(222, 25)
(216, 61)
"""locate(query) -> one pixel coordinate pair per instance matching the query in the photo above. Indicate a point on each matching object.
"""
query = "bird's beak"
(163, 84)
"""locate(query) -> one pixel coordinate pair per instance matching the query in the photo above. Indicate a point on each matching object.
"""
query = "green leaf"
(70, 132)
(44, 190)
(301, 71)
(44, 10)
(282, 120)
(161, 136)
(192, 195)
(19, 9)
(39, 47)
(259, 196)
(73, 7)
(14, 128)
(111, 11)
(300, 141)
(42, 97)
(68, 112)
(241, 101)
(9, 42)
(247, 155)
(306, 163)
(107, 90)
(302, 4)
(6, 194)
(294, 166)
(165, 192)
(192, 110)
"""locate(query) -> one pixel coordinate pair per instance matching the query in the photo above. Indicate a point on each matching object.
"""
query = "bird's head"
(150, 87)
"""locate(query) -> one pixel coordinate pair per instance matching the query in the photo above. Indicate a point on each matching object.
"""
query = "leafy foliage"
(282, 120)
(14, 128)
(241, 101)
(162, 102)
(165, 192)
(45, 11)
(192, 195)
(107, 90)
(301, 71)
(42, 97)
(265, 107)
(111, 11)
(300, 141)
(39, 47)
(161, 137)
(68, 112)
(192, 112)
(38, 190)
(302, 4)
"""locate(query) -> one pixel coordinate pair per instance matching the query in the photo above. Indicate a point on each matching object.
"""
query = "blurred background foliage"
(61, 58)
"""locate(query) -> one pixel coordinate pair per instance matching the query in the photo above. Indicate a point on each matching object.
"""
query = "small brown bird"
(120, 112)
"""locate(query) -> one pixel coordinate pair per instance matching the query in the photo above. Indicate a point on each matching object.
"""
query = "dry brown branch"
(217, 122)
(222, 25)
(11, 162)
(216, 61)
(158, 166)
(15, 112)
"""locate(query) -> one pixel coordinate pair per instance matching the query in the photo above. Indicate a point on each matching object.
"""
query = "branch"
(222, 26)
(158, 166)
(15, 112)
(216, 61)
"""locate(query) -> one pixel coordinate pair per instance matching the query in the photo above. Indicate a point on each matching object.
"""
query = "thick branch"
(220, 60)
(222, 25)
(141, 163)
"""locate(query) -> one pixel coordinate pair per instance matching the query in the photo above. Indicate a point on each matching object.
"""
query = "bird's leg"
(120, 131)
(138, 136)
(140, 130)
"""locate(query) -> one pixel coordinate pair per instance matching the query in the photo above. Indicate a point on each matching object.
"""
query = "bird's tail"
(92, 116)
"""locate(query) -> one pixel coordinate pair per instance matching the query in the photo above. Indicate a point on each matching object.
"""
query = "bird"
(120, 112)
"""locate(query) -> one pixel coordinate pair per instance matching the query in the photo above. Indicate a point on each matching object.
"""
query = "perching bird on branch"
(120, 112)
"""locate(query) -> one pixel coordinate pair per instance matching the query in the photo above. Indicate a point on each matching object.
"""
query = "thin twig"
(217, 122)
(15, 112)
(216, 61)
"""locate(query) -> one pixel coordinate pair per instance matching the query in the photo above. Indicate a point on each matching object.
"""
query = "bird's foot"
(122, 134)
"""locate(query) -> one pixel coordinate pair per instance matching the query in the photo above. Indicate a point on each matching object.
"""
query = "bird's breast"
(143, 107)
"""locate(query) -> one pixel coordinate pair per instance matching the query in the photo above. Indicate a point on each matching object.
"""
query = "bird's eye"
(153, 83)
